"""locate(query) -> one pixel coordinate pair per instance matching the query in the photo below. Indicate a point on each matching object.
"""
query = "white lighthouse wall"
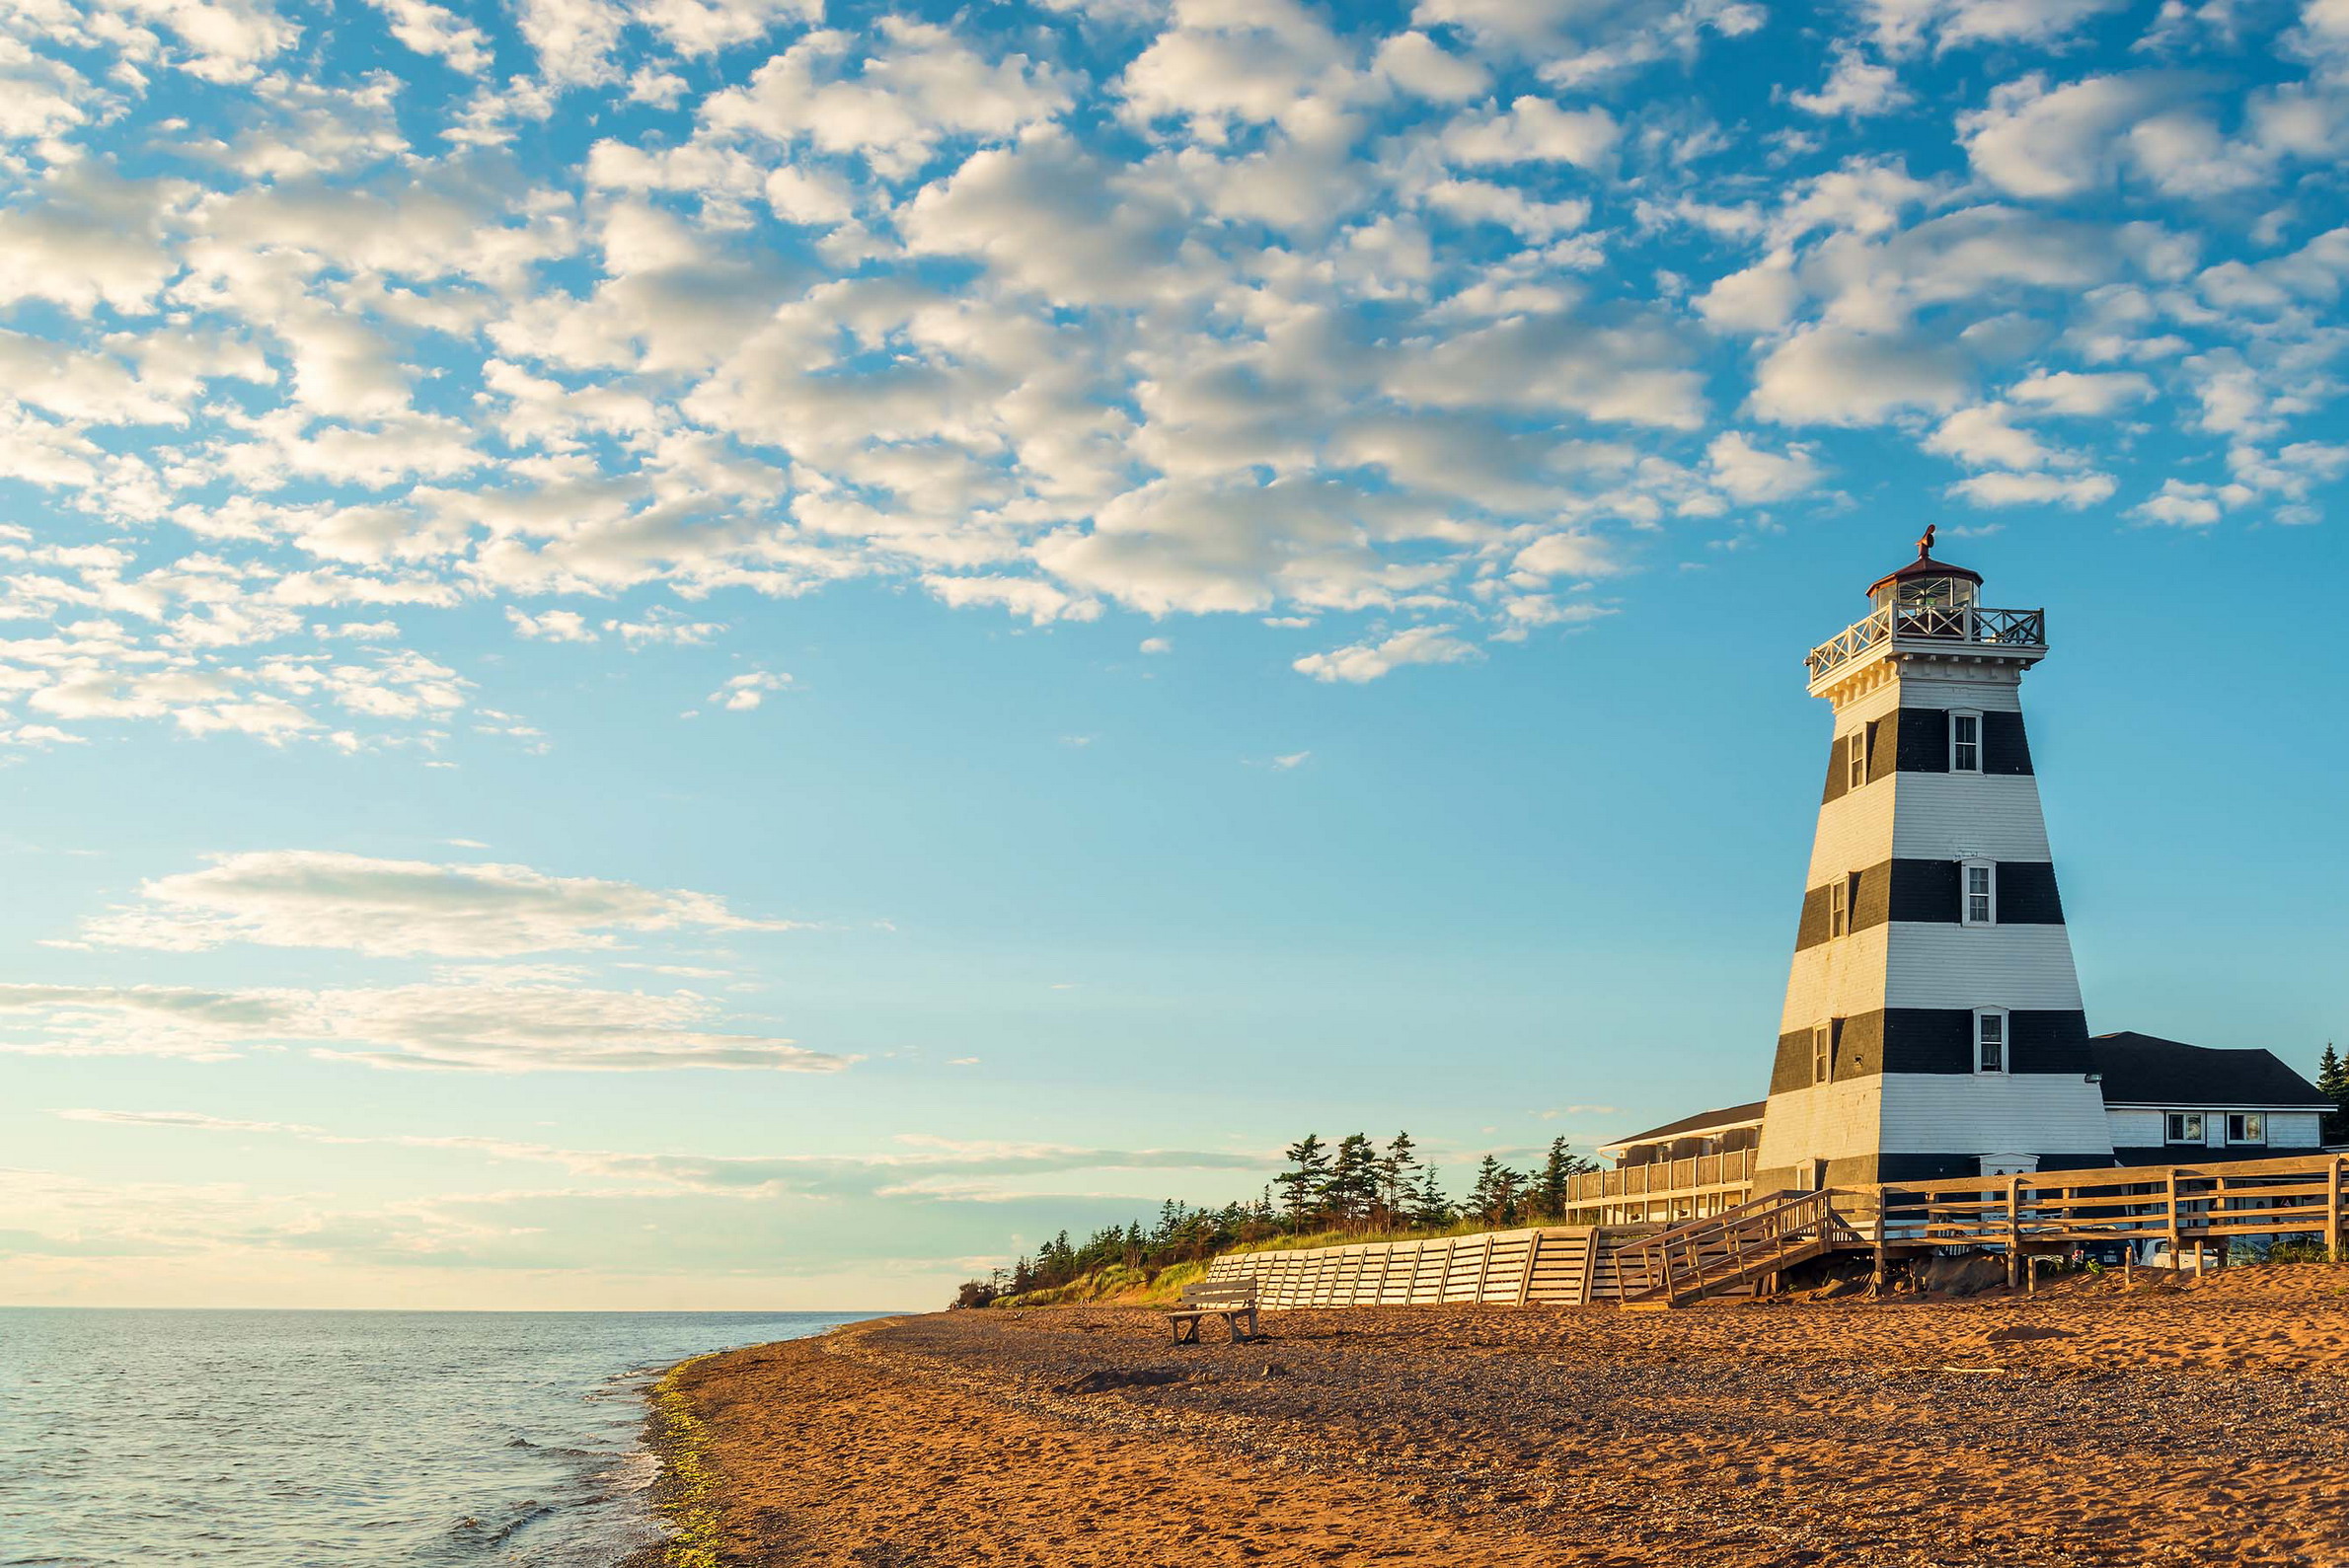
(1928, 816)
(1927, 964)
(1944, 816)
(1936, 1112)
(1821, 1121)
(1994, 690)
(1837, 978)
(1855, 832)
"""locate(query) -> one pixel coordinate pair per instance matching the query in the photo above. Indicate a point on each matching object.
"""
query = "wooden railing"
(1732, 1247)
(1698, 1175)
(2183, 1205)
(1942, 624)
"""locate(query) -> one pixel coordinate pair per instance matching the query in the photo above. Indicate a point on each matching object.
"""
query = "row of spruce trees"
(1353, 1187)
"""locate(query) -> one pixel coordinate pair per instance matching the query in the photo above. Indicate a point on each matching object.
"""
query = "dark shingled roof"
(1726, 1116)
(2143, 1070)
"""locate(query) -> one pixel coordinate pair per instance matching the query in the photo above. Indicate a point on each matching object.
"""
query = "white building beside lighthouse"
(1933, 1023)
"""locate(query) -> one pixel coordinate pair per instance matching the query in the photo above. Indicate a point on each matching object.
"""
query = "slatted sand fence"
(1563, 1265)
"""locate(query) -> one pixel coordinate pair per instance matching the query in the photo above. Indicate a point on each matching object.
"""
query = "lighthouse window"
(1823, 1050)
(1856, 760)
(1990, 1040)
(1839, 908)
(1965, 742)
(1981, 895)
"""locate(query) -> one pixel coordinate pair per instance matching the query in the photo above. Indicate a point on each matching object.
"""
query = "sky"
(747, 653)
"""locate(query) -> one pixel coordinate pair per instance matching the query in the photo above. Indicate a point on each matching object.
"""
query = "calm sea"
(338, 1440)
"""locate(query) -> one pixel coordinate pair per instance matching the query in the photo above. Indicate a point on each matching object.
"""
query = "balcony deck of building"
(1663, 1191)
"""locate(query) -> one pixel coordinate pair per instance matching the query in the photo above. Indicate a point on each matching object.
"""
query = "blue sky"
(748, 652)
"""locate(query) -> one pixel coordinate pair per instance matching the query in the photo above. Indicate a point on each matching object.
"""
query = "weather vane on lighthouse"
(1924, 545)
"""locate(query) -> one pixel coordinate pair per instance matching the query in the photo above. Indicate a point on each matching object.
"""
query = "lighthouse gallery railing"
(1967, 624)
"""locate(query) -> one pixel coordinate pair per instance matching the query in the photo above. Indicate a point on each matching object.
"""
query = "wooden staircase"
(1736, 1248)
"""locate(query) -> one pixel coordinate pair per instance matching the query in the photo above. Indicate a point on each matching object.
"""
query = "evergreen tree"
(1549, 1197)
(1397, 1170)
(1352, 1186)
(1301, 1188)
(1430, 1209)
(2332, 1077)
(1485, 1194)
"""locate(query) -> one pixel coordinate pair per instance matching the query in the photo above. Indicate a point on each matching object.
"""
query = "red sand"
(2196, 1425)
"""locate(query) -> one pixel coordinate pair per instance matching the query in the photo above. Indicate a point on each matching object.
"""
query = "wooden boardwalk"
(1737, 1251)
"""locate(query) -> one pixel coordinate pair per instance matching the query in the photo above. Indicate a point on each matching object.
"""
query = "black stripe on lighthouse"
(1930, 891)
(2051, 1041)
(1917, 740)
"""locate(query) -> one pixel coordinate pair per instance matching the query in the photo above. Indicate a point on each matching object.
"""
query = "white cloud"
(308, 898)
(1755, 477)
(554, 626)
(1157, 645)
(498, 1029)
(1830, 375)
(2093, 394)
(1039, 601)
(1859, 87)
(2075, 490)
(1533, 131)
(435, 29)
(1902, 25)
(1419, 64)
(1232, 61)
(1367, 661)
(742, 693)
(1985, 434)
(920, 87)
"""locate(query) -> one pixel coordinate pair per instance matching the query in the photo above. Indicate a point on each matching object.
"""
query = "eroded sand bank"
(2088, 1425)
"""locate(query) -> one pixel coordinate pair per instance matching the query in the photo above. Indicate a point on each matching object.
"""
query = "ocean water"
(338, 1440)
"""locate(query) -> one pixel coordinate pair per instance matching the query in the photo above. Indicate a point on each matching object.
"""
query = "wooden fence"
(2305, 1195)
(1556, 1264)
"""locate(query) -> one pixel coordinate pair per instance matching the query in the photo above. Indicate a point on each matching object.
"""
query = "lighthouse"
(1933, 1023)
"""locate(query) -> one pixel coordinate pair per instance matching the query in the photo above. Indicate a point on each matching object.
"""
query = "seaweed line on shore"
(683, 1493)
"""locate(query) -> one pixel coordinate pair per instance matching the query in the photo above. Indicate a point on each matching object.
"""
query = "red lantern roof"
(1925, 566)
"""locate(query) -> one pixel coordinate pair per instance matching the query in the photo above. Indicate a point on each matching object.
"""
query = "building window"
(1856, 759)
(1838, 907)
(1965, 742)
(2186, 1127)
(2247, 1128)
(1990, 1039)
(1823, 1050)
(1979, 887)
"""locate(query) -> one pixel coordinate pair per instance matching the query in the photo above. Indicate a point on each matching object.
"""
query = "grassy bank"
(1118, 1285)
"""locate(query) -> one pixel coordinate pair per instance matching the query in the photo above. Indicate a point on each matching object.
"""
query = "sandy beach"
(2094, 1423)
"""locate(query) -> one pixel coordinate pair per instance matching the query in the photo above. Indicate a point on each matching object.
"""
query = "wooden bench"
(1229, 1299)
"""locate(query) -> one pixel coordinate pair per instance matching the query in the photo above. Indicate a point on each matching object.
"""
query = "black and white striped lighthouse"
(1933, 1024)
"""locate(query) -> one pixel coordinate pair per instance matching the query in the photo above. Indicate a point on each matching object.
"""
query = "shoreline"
(2097, 1423)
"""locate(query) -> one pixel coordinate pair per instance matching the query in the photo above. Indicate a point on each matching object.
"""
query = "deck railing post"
(2014, 1232)
(1878, 1281)
(2332, 1206)
(2174, 1236)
